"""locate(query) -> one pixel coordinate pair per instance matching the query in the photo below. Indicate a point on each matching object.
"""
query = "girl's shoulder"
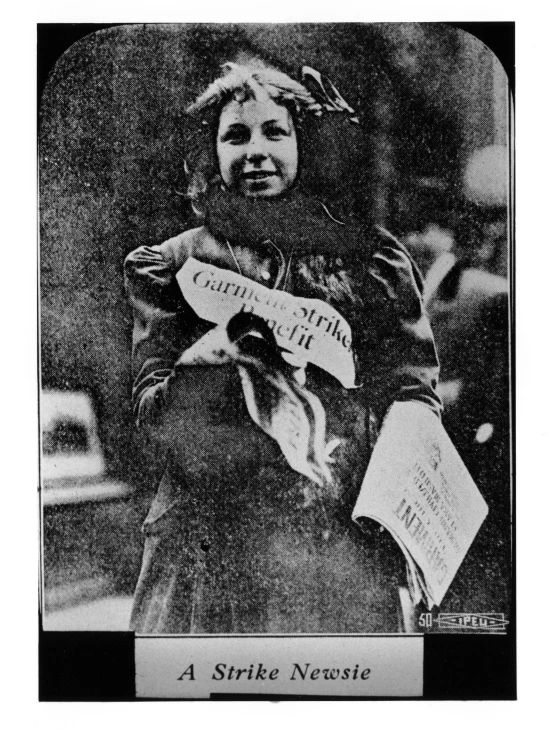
(174, 252)
(391, 266)
(383, 249)
(383, 239)
(178, 249)
(150, 271)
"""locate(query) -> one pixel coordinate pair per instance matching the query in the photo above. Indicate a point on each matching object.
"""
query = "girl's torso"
(238, 541)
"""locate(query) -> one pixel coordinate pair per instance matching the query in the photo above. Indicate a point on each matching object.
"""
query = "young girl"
(250, 531)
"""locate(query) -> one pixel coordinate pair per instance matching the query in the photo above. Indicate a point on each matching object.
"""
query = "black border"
(86, 666)
(499, 37)
(100, 666)
(53, 40)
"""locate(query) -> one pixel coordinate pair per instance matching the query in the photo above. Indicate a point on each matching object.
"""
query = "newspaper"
(309, 328)
(417, 487)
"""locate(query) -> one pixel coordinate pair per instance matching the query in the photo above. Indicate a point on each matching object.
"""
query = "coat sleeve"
(164, 324)
(399, 358)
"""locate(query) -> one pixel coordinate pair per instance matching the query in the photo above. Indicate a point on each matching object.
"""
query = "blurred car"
(91, 536)
(73, 467)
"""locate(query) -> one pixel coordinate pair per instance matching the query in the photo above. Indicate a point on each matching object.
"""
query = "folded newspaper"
(418, 488)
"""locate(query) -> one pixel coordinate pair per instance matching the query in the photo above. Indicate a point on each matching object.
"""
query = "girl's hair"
(243, 82)
(327, 141)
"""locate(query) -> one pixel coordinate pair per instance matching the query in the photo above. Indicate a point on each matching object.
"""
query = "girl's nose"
(256, 148)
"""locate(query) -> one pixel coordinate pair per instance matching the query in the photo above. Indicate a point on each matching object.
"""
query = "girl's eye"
(235, 135)
(276, 132)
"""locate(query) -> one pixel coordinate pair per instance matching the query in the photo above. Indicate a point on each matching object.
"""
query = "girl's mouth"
(258, 174)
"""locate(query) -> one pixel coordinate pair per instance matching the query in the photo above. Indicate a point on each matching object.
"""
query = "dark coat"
(236, 541)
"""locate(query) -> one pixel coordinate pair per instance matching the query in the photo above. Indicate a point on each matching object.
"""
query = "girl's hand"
(214, 348)
(220, 345)
(299, 364)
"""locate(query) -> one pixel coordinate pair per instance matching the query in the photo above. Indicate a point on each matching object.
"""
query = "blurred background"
(435, 105)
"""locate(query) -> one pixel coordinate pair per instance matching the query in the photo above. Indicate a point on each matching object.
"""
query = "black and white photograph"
(276, 334)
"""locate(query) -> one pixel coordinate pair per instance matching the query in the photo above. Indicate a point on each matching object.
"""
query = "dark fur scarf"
(295, 223)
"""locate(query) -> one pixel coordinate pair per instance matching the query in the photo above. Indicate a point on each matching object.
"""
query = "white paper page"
(309, 328)
(417, 485)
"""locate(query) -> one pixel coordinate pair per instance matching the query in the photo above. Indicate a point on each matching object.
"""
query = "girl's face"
(257, 148)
